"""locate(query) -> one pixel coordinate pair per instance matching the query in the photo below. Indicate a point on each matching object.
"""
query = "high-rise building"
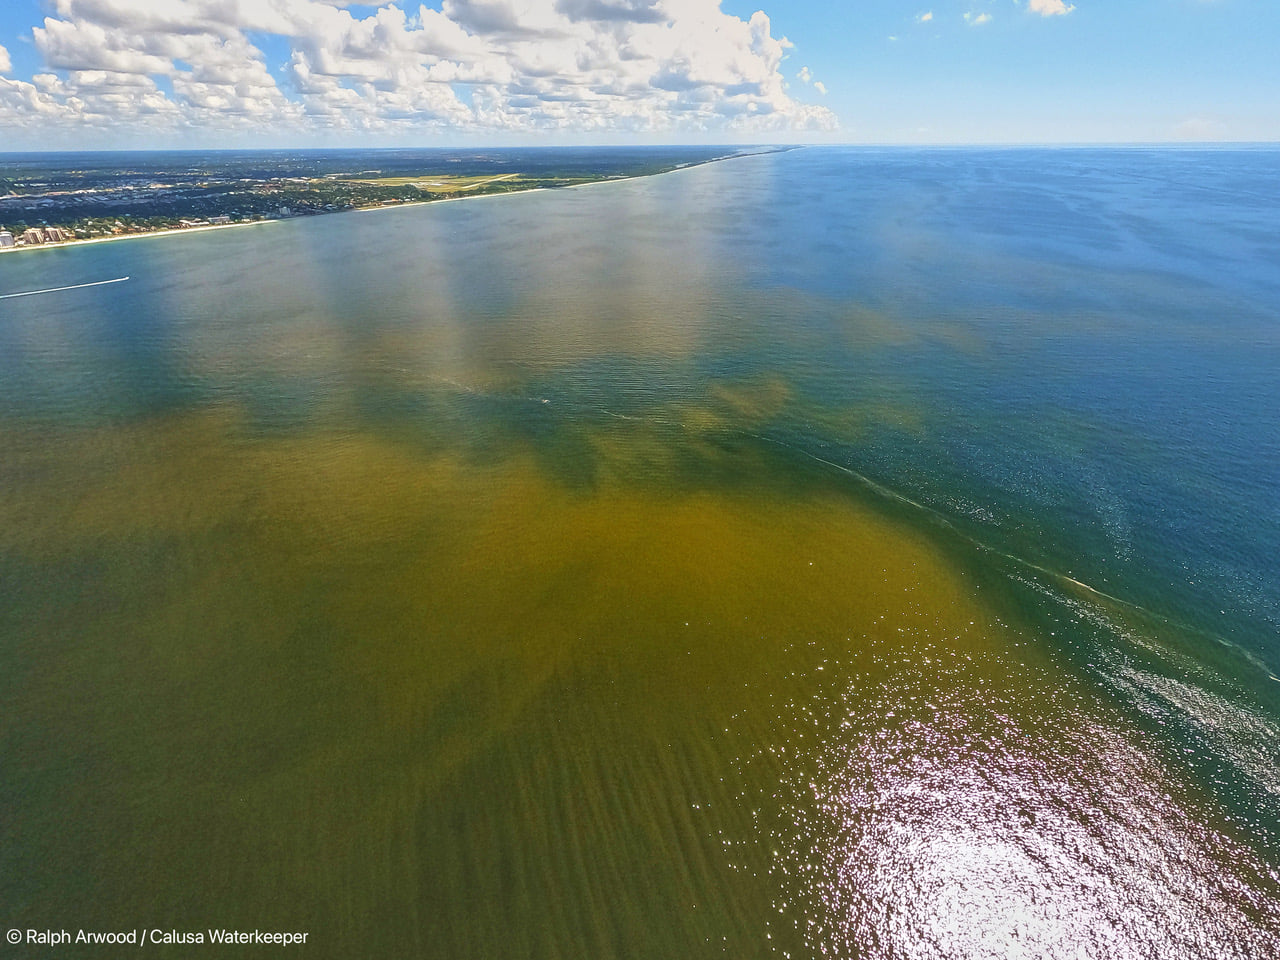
(6, 239)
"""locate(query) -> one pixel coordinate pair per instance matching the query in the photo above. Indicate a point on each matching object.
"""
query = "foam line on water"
(1054, 575)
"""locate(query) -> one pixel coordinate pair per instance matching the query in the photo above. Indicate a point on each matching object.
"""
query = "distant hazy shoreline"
(180, 231)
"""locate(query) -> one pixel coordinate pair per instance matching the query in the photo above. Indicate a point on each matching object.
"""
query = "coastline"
(147, 235)
(180, 231)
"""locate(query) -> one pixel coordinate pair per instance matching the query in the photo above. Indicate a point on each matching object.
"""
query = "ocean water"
(858, 553)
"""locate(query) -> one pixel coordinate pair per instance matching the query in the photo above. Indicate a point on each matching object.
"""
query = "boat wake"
(74, 286)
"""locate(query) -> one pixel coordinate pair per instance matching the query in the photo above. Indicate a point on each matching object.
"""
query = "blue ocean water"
(1057, 366)
(1089, 338)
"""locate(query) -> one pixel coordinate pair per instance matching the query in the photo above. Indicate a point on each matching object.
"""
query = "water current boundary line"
(942, 518)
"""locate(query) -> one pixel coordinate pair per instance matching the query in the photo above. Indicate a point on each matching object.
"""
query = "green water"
(422, 705)
(474, 612)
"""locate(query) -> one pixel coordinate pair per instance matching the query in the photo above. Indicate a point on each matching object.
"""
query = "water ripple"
(930, 814)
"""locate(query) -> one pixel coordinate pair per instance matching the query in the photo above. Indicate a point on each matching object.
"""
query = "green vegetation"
(110, 194)
(112, 206)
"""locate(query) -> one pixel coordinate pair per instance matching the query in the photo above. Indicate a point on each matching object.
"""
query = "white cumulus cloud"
(5, 64)
(1050, 8)
(978, 19)
(472, 67)
(924, 17)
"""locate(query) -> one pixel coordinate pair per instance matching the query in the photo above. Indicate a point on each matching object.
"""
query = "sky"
(152, 74)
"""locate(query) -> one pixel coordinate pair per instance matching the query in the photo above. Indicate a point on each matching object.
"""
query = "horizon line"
(886, 144)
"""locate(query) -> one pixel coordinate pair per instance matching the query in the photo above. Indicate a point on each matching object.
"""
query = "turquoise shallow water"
(867, 552)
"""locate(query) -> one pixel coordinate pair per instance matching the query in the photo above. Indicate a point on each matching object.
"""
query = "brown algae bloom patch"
(623, 671)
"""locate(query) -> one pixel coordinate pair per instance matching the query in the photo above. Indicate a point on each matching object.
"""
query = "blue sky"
(172, 73)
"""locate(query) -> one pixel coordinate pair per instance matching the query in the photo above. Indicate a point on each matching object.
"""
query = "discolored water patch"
(687, 695)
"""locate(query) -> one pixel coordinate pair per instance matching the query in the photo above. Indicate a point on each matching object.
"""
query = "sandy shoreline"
(180, 231)
(169, 232)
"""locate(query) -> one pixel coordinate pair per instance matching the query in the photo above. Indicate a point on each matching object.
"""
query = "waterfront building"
(6, 239)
